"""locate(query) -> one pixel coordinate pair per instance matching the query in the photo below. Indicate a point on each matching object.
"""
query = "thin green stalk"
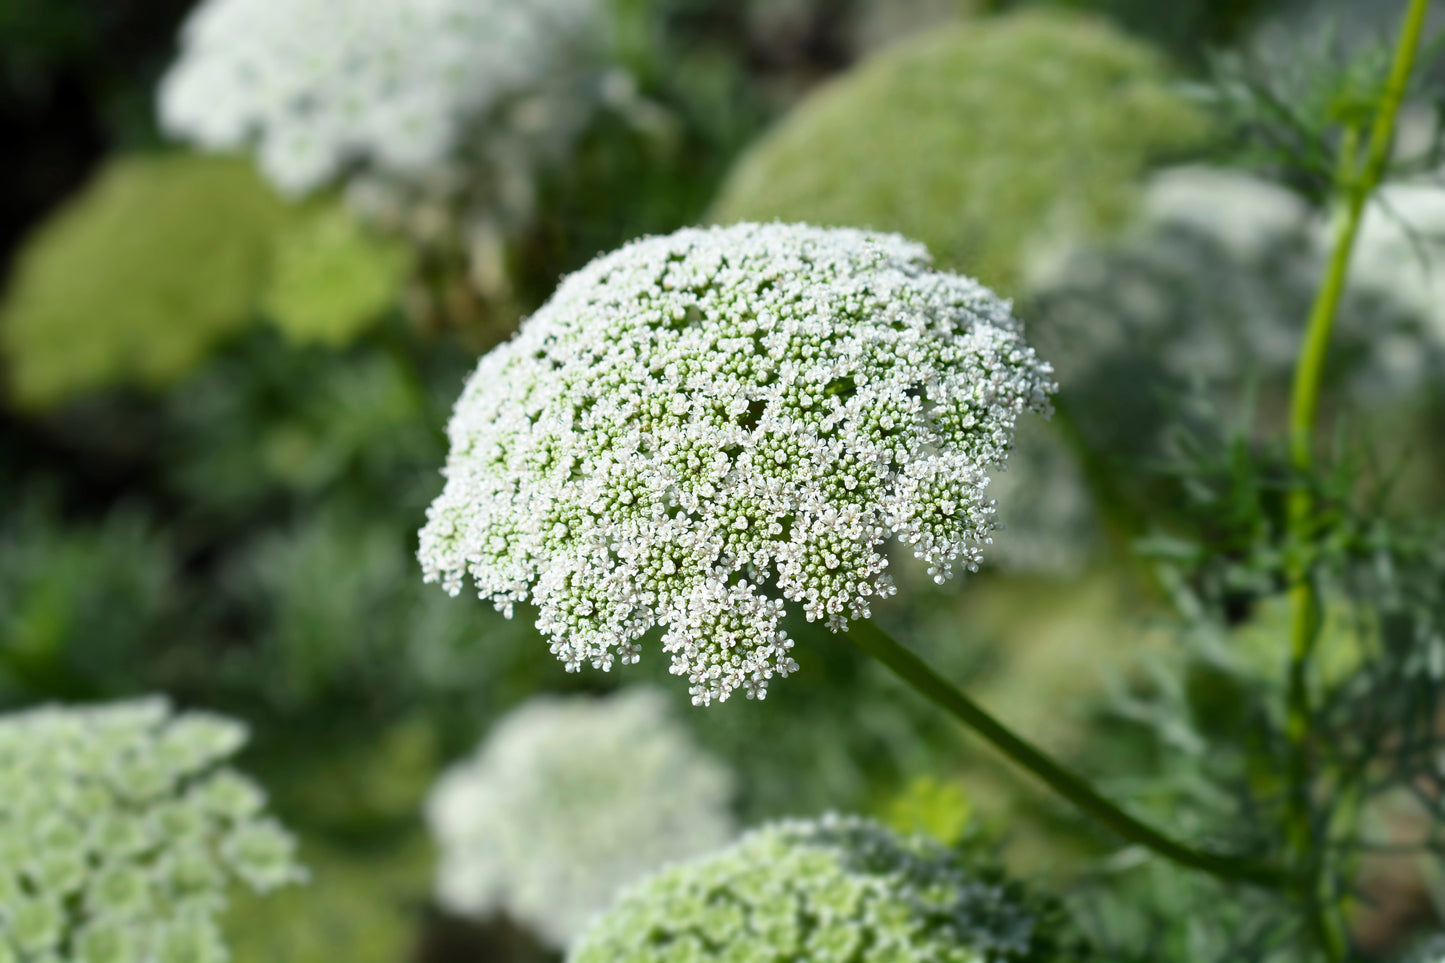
(1357, 188)
(913, 670)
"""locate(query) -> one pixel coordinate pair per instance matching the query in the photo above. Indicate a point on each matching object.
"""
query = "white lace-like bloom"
(568, 801)
(699, 428)
(392, 87)
(834, 890)
(120, 834)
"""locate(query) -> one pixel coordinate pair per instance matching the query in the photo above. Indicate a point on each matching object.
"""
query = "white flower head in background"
(395, 88)
(833, 890)
(700, 428)
(121, 833)
(569, 800)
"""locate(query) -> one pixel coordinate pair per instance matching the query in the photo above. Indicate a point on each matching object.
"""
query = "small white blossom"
(834, 890)
(700, 428)
(568, 801)
(399, 88)
(120, 834)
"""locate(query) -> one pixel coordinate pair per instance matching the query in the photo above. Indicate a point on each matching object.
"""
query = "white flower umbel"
(834, 890)
(568, 801)
(120, 834)
(699, 428)
(392, 87)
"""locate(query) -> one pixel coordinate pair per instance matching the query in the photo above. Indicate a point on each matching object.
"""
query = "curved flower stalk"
(567, 802)
(970, 138)
(394, 97)
(838, 889)
(121, 832)
(699, 429)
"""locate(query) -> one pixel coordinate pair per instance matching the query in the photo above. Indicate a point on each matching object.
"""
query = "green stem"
(1309, 377)
(913, 670)
(1308, 373)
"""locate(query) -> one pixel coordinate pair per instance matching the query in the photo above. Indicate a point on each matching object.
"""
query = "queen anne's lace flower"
(698, 427)
(119, 834)
(567, 802)
(393, 86)
(835, 890)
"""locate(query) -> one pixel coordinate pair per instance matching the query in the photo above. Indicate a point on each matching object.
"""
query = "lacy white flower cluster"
(701, 426)
(120, 835)
(395, 87)
(835, 890)
(570, 800)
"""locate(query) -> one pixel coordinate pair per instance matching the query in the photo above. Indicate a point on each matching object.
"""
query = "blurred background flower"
(121, 834)
(568, 802)
(829, 889)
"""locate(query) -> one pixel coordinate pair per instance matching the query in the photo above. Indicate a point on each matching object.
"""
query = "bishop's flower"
(567, 802)
(834, 890)
(699, 429)
(121, 832)
(393, 87)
